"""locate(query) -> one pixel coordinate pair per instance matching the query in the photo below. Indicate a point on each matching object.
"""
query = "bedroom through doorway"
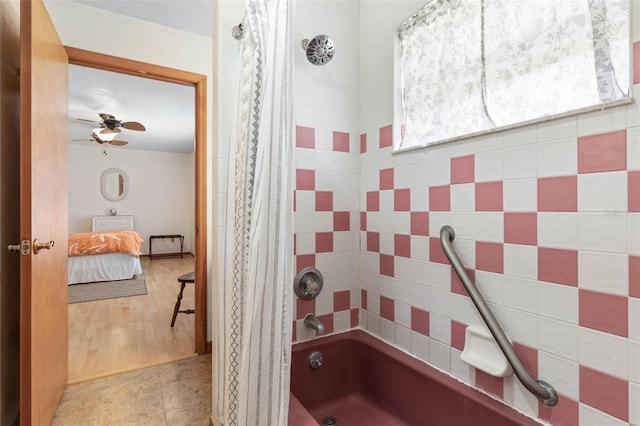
(125, 333)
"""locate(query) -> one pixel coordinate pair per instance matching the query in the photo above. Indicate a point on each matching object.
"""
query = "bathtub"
(364, 381)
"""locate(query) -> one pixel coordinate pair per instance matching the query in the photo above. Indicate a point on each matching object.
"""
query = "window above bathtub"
(468, 67)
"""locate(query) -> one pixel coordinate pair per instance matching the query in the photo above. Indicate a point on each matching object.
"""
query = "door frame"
(199, 82)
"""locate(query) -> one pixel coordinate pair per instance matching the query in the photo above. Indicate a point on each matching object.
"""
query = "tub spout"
(314, 322)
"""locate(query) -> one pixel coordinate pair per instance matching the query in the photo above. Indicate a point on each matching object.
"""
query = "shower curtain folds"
(255, 303)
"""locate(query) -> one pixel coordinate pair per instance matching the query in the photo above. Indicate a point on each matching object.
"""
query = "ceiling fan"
(109, 128)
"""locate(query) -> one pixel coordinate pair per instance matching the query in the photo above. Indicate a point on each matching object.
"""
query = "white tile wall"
(558, 230)
(634, 318)
(439, 276)
(489, 166)
(520, 163)
(327, 100)
(591, 417)
(602, 192)
(634, 407)
(491, 286)
(420, 345)
(603, 352)
(485, 226)
(419, 248)
(521, 293)
(463, 197)
(633, 148)
(521, 260)
(558, 338)
(372, 323)
(634, 361)
(460, 369)
(387, 330)
(306, 243)
(520, 326)
(558, 158)
(402, 312)
(557, 129)
(604, 272)
(516, 395)
(440, 328)
(439, 355)
(439, 172)
(403, 269)
(324, 303)
(403, 337)
(601, 121)
(520, 195)
(564, 374)
(341, 321)
(420, 271)
(603, 232)
(558, 302)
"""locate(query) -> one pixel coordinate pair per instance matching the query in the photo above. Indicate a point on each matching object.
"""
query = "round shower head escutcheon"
(319, 50)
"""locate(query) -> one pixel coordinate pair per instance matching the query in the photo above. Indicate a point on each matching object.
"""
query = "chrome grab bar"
(540, 389)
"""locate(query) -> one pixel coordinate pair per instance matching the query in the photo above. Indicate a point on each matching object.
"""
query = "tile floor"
(173, 394)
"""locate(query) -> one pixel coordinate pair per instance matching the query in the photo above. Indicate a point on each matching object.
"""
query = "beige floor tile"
(173, 394)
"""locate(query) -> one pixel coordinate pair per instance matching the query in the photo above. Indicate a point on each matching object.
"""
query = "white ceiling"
(194, 16)
(167, 110)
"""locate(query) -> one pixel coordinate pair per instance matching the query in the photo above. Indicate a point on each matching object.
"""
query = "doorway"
(198, 82)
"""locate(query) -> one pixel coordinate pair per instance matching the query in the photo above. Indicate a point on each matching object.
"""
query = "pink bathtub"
(364, 381)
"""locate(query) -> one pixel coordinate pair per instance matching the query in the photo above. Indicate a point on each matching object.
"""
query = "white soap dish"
(482, 352)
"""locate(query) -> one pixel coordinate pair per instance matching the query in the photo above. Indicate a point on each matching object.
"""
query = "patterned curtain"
(254, 339)
(442, 73)
(471, 65)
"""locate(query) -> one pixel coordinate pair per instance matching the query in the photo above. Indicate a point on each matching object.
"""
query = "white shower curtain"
(254, 347)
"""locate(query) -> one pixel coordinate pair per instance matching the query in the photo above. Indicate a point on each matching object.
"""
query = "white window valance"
(469, 66)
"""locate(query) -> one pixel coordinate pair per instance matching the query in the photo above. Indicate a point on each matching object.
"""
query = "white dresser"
(111, 223)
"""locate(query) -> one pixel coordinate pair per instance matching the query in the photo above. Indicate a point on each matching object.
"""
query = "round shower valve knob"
(308, 283)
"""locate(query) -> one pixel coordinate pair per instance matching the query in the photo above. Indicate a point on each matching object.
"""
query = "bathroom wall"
(327, 218)
(327, 207)
(547, 221)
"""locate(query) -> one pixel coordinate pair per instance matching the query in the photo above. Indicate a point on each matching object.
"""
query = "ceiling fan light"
(107, 137)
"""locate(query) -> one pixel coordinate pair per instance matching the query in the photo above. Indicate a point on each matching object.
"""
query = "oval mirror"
(114, 184)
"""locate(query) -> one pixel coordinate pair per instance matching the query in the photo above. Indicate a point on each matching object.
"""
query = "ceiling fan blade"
(116, 142)
(88, 121)
(133, 125)
(97, 138)
(105, 115)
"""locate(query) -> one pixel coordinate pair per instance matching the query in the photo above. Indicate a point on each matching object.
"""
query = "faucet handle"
(308, 283)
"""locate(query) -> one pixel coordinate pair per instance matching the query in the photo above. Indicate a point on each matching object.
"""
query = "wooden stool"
(183, 280)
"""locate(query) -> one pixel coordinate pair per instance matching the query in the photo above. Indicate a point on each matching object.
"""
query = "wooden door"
(43, 215)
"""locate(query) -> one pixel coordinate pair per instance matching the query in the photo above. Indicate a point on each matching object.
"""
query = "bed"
(104, 256)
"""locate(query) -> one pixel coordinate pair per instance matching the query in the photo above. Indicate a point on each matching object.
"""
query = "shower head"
(319, 49)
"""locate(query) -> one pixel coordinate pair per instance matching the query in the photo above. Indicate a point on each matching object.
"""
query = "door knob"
(37, 245)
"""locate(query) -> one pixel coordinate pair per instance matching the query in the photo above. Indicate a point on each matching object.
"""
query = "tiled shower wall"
(327, 191)
(547, 222)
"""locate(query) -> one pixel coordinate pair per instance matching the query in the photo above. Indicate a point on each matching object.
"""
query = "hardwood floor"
(116, 335)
